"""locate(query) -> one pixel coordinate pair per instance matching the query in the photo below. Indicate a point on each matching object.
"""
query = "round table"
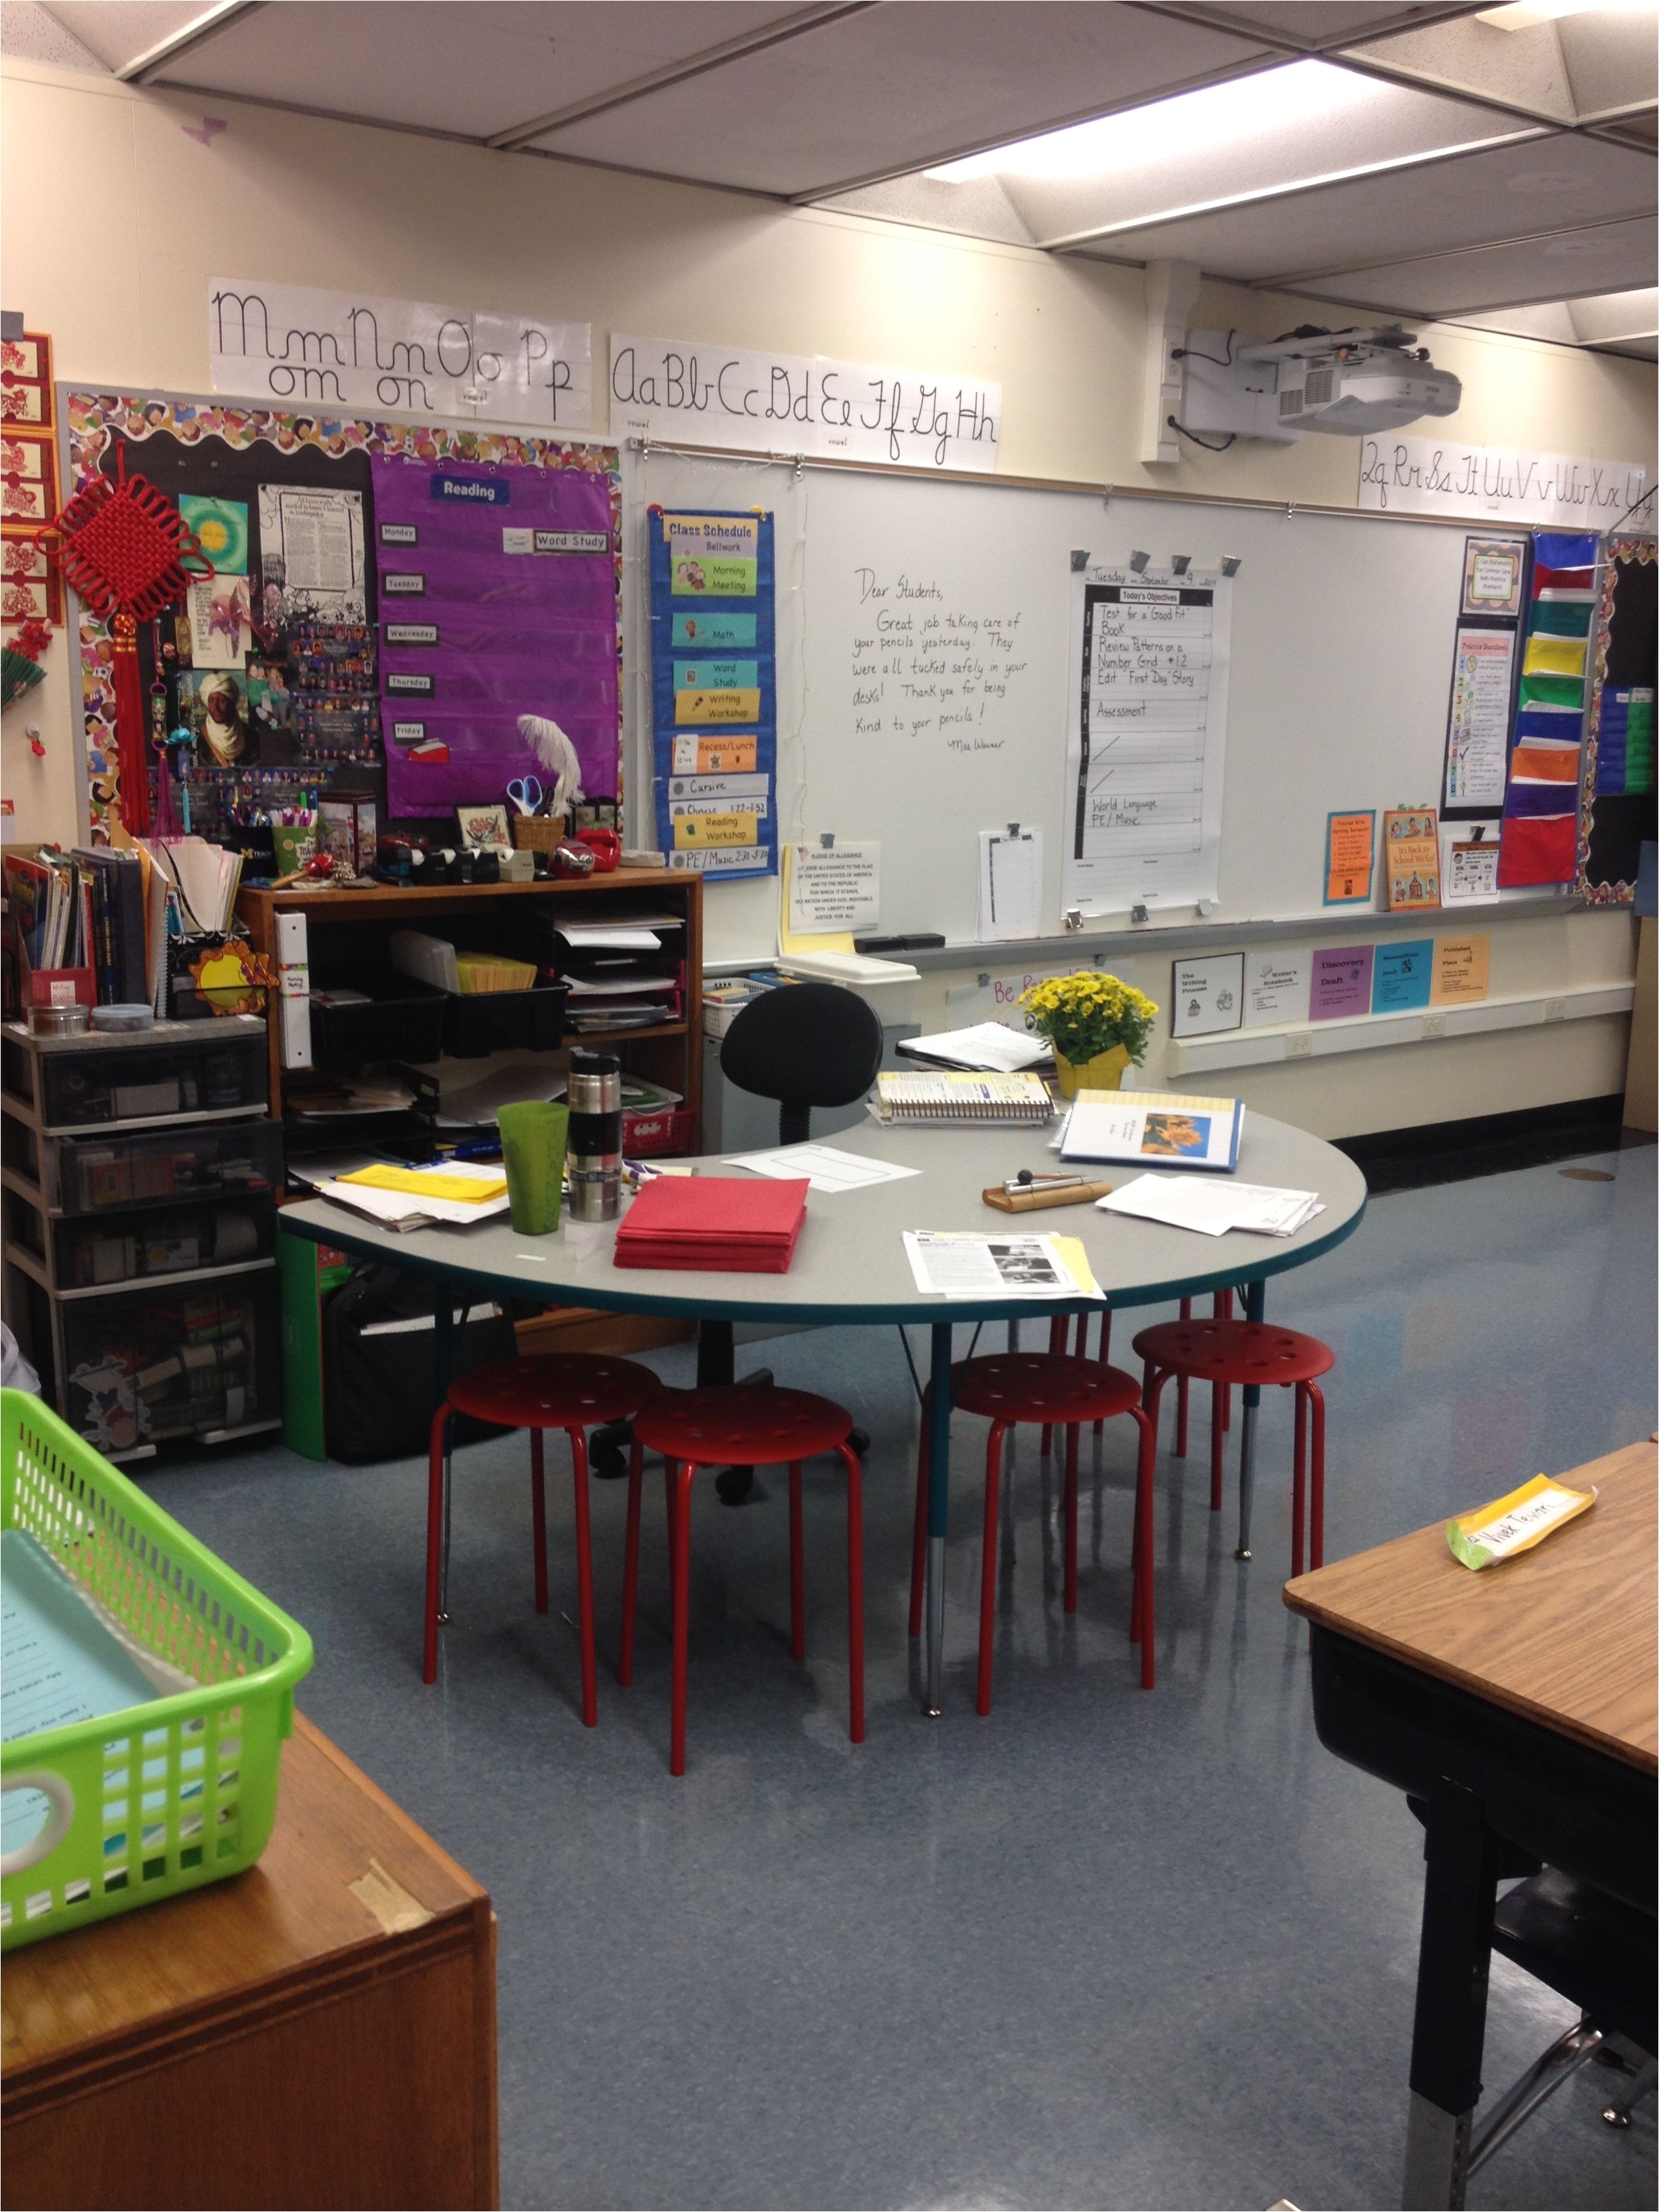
(850, 1265)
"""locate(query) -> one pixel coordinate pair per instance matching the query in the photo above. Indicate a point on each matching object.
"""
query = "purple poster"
(1341, 982)
(498, 598)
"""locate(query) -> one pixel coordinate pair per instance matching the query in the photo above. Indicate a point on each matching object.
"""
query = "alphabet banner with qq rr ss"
(294, 346)
(714, 690)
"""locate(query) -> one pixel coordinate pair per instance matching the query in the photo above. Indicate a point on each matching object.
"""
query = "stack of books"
(949, 1096)
(1153, 1128)
(719, 1225)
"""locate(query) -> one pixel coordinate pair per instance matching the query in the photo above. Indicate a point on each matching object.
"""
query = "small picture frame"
(1494, 569)
(483, 825)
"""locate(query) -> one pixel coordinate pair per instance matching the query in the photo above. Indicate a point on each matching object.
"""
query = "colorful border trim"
(93, 418)
(1624, 547)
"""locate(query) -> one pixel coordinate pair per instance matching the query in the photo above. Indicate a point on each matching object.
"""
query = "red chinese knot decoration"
(123, 547)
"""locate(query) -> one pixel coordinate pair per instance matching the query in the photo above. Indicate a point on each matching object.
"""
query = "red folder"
(720, 1223)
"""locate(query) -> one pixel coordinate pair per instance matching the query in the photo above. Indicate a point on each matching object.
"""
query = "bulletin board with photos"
(319, 657)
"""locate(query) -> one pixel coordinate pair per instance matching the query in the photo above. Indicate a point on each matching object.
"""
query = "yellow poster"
(717, 705)
(696, 833)
(1463, 969)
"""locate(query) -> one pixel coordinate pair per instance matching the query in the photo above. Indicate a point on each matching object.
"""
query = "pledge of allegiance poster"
(714, 691)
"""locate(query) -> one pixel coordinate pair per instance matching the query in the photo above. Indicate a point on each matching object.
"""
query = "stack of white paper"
(1213, 1207)
(405, 1209)
(961, 1264)
(986, 1045)
(824, 1166)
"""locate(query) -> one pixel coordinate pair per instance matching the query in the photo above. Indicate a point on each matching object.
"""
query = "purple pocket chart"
(1341, 982)
(497, 598)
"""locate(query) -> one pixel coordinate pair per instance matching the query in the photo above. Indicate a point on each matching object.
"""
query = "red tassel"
(130, 728)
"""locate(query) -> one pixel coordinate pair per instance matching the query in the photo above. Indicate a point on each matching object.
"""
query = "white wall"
(113, 221)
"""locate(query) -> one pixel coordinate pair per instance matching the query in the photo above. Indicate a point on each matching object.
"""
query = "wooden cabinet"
(318, 2032)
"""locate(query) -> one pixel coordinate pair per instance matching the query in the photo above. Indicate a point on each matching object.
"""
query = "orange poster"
(1348, 842)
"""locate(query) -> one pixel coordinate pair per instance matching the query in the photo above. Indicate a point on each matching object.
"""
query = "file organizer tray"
(169, 1796)
(402, 1020)
(478, 1023)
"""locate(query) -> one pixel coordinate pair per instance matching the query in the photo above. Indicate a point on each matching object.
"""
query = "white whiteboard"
(1342, 638)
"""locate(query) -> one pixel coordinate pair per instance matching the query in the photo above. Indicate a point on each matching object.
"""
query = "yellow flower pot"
(1104, 1072)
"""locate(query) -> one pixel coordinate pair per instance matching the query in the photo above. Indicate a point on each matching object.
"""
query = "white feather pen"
(557, 755)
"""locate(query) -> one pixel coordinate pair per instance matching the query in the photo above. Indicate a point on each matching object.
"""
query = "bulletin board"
(1616, 806)
(508, 551)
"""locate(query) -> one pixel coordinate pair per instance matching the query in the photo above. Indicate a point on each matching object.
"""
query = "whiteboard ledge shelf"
(1365, 1032)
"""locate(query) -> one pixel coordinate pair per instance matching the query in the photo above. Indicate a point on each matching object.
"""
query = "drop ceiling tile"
(475, 70)
(1506, 191)
(1614, 258)
(119, 31)
(1312, 23)
(1525, 67)
(899, 88)
(1609, 318)
(1283, 129)
(1612, 59)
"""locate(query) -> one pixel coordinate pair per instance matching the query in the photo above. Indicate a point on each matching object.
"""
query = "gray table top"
(850, 1264)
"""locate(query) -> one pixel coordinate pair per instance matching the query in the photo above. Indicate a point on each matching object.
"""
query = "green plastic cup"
(532, 1152)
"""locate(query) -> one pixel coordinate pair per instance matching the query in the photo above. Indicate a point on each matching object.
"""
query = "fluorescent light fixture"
(1526, 14)
(1271, 101)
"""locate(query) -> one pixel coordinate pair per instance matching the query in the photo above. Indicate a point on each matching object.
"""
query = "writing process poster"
(1147, 739)
(498, 598)
(714, 692)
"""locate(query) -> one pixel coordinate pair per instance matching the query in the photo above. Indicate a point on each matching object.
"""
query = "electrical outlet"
(1299, 1045)
(1555, 1010)
(1434, 1025)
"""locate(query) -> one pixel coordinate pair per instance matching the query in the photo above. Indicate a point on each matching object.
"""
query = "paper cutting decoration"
(123, 548)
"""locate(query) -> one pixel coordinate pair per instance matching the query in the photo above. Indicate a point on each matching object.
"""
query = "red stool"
(570, 1391)
(1011, 1387)
(739, 1427)
(1221, 1352)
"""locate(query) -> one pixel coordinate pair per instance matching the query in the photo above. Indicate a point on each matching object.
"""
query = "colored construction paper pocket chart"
(714, 690)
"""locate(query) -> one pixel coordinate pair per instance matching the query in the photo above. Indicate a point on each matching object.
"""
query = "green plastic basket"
(170, 1794)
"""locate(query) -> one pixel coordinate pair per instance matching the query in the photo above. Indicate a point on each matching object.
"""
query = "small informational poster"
(1349, 839)
(1469, 864)
(1462, 970)
(1009, 883)
(1477, 732)
(312, 549)
(1341, 982)
(833, 887)
(1276, 986)
(1402, 975)
(1493, 569)
(1206, 995)
(1411, 858)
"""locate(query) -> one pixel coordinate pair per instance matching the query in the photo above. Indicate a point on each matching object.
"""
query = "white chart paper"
(1147, 739)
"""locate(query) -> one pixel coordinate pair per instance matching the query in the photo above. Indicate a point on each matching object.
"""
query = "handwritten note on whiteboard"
(1146, 738)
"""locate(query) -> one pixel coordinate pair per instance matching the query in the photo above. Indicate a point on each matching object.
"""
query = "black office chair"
(806, 1045)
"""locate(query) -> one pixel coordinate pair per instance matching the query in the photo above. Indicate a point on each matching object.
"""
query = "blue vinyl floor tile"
(1102, 1948)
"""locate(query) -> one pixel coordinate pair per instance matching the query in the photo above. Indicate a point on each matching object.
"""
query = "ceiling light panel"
(894, 88)
(1606, 318)
(1611, 258)
(1285, 128)
(1473, 199)
(474, 69)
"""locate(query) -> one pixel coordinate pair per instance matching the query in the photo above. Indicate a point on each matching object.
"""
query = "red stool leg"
(1060, 1329)
(538, 1515)
(797, 1569)
(631, 1564)
(1146, 1416)
(1216, 1425)
(1182, 1389)
(583, 1575)
(1316, 1517)
(854, 1592)
(1070, 1518)
(1299, 1479)
(1143, 1606)
(987, 1567)
(679, 1518)
(919, 1541)
(434, 1530)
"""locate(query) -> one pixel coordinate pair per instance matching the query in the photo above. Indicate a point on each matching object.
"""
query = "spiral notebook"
(951, 1096)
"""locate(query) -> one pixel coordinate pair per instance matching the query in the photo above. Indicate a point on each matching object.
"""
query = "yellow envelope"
(423, 1182)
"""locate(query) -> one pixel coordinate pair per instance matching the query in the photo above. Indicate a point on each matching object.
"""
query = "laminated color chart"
(498, 598)
(714, 690)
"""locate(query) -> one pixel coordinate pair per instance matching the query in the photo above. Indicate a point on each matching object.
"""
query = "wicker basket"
(538, 832)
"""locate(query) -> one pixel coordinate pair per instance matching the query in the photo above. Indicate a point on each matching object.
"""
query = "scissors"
(527, 793)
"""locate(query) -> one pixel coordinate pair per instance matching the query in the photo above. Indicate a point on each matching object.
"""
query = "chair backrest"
(806, 1045)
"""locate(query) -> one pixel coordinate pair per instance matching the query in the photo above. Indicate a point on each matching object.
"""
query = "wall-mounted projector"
(1341, 382)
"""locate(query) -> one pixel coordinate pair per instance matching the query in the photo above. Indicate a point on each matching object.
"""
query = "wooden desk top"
(1566, 1635)
(230, 1951)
